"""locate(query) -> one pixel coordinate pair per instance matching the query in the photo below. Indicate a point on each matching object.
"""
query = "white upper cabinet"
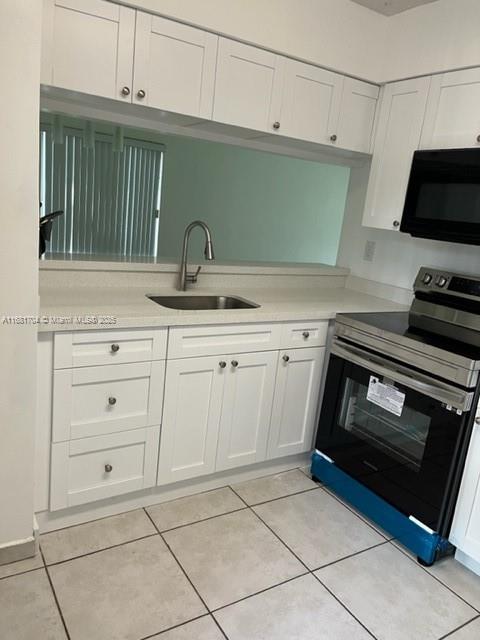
(452, 118)
(248, 86)
(357, 114)
(174, 66)
(246, 410)
(399, 127)
(88, 47)
(311, 103)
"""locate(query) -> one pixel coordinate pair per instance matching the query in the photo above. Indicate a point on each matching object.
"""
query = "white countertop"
(77, 308)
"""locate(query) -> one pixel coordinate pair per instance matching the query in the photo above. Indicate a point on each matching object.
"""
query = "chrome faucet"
(184, 276)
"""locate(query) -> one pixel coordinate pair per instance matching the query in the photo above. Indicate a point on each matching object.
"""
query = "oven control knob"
(427, 278)
(441, 281)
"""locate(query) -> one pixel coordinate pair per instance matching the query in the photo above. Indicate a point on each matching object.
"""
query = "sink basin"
(195, 303)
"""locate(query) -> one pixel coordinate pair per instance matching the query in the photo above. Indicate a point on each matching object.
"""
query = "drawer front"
(96, 468)
(88, 348)
(304, 334)
(186, 342)
(91, 401)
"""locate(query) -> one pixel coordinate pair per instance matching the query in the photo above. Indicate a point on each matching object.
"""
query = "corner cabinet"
(399, 127)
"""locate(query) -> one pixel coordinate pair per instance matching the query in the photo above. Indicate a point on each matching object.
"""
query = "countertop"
(80, 308)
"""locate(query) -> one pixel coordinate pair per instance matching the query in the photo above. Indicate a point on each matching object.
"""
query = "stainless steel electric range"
(400, 400)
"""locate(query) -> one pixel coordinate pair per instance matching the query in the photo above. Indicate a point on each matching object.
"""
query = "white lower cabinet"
(465, 532)
(246, 409)
(296, 400)
(94, 468)
(191, 418)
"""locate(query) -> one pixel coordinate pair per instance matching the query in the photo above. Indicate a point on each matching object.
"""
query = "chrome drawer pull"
(286, 358)
(108, 468)
(112, 401)
(234, 363)
(114, 348)
(306, 334)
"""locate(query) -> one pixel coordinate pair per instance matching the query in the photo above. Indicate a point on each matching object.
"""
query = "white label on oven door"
(385, 396)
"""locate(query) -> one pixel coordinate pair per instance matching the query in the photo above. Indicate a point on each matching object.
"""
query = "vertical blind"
(108, 188)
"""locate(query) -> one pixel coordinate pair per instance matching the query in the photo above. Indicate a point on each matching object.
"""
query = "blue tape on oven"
(421, 542)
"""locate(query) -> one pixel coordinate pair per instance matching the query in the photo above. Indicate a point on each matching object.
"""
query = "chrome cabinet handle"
(333, 137)
(141, 94)
(286, 358)
(396, 223)
(112, 401)
(108, 468)
(478, 138)
(114, 348)
(222, 364)
(306, 334)
(276, 125)
(125, 91)
(477, 420)
(234, 363)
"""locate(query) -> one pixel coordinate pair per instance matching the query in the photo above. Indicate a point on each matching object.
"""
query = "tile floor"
(278, 558)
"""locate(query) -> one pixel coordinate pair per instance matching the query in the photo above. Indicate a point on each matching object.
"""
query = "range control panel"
(459, 284)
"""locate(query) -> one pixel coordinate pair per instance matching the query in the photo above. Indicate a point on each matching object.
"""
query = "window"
(108, 186)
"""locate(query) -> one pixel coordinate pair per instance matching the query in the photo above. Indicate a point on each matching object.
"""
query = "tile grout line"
(344, 606)
(188, 524)
(313, 574)
(180, 565)
(450, 633)
(60, 612)
(92, 553)
(425, 569)
(288, 495)
(21, 573)
(175, 626)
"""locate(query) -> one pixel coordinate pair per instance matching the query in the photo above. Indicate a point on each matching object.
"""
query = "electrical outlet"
(369, 251)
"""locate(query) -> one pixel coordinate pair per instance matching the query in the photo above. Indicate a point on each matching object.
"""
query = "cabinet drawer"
(186, 342)
(87, 348)
(90, 401)
(304, 334)
(101, 467)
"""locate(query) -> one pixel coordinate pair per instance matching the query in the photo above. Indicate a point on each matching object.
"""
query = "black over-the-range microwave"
(443, 196)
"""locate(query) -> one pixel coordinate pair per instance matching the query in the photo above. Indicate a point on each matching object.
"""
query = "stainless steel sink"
(194, 303)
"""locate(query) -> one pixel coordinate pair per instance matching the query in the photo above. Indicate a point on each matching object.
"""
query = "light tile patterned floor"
(277, 558)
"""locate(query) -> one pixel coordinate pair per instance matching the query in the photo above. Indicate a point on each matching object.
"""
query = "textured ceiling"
(391, 7)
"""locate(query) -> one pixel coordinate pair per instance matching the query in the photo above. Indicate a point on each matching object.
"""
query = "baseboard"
(18, 550)
(467, 561)
(49, 521)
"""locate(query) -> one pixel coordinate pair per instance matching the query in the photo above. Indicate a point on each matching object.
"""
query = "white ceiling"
(391, 7)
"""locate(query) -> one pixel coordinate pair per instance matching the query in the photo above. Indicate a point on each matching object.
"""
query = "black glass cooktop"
(396, 323)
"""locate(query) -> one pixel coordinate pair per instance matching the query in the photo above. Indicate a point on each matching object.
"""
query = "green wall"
(259, 206)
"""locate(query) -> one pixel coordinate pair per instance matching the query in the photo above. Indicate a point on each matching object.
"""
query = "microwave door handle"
(420, 382)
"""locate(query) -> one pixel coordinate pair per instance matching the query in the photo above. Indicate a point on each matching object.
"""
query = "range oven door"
(399, 432)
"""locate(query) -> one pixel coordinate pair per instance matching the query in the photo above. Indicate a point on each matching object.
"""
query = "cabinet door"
(88, 47)
(357, 113)
(248, 86)
(246, 411)
(402, 110)
(174, 66)
(191, 417)
(452, 118)
(311, 103)
(465, 533)
(296, 400)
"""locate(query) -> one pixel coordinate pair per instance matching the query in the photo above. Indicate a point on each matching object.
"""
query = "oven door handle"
(441, 391)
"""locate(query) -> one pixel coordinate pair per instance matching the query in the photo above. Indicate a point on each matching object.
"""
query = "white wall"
(20, 23)
(338, 34)
(434, 37)
(397, 256)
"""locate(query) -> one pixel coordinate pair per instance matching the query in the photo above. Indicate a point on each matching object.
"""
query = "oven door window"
(405, 456)
(403, 436)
